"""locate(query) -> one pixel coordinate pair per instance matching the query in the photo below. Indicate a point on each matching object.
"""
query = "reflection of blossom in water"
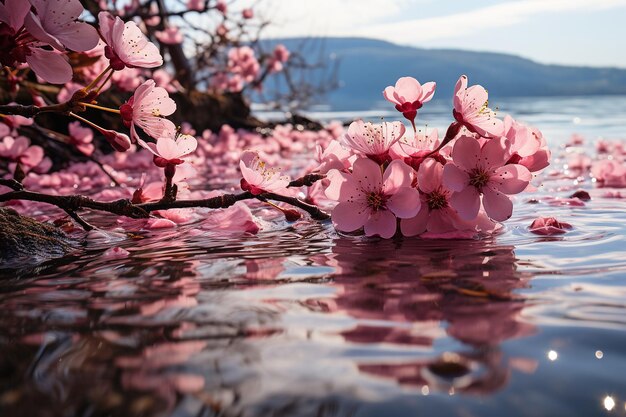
(281, 334)
(161, 370)
(414, 293)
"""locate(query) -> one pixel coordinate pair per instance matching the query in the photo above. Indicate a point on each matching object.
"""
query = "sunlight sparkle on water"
(553, 355)
(599, 354)
(609, 403)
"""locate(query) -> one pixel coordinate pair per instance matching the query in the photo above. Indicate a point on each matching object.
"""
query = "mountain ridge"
(367, 66)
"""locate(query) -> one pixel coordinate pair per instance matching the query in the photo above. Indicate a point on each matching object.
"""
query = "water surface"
(300, 321)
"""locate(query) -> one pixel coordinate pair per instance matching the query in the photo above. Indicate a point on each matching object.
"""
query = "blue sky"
(572, 32)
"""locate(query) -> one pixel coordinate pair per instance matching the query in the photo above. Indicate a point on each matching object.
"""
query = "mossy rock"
(26, 241)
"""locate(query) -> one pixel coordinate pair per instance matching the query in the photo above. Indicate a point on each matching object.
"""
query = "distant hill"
(367, 66)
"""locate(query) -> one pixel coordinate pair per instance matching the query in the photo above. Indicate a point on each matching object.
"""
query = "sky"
(570, 32)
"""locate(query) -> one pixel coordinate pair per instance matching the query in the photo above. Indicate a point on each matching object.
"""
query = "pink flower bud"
(119, 141)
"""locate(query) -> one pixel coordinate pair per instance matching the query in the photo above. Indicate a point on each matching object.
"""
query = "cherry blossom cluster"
(388, 180)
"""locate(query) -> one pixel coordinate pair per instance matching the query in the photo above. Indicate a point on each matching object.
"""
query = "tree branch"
(123, 207)
(12, 184)
(314, 211)
(308, 180)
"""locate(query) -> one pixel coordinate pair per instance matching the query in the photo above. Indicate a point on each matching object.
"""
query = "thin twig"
(307, 180)
(83, 223)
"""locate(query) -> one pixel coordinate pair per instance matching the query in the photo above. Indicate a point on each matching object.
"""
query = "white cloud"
(461, 24)
(385, 19)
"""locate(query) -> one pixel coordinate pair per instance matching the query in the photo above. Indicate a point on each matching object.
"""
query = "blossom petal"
(408, 88)
(497, 205)
(430, 175)
(405, 202)
(466, 152)
(167, 148)
(13, 12)
(417, 224)
(342, 187)
(494, 153)
(459, 92)
(186, 144)
(348, 216)
(466, 203)
(50, 66)
(453, 178)
(388, 93)
(511, 179)
(382, 223)
(367, 175)
(428, 91)
(396, 176)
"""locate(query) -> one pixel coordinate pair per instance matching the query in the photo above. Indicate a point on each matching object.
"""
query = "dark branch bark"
(73, 203)
(308, 180)
(12, 184)
(180, 61)
(313, 211)
(20, 110)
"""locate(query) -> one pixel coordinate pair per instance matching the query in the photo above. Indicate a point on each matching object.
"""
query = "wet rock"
(25, 240)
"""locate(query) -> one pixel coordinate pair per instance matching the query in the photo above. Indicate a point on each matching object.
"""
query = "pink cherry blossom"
(549, 226)
(169, 36)
(258, 178)
(409, 96)
(373, 140)
(609, 173)
(242, 61)
(471, 109)
(118, 141)
(334, 156)
(527, 145)
(170, 151)
(373, 200)
(127, 46)
(247, 13)
(55, 24)
(164, 79)
(128, 80)
(280, 55)
(476, 171)
(16, 121)
(146, 109)
(18, 150)
(18, 48)
(414, 149)
(81, 137)
(436, 215)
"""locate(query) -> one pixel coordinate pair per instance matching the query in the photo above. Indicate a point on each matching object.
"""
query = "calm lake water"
(299, 321)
